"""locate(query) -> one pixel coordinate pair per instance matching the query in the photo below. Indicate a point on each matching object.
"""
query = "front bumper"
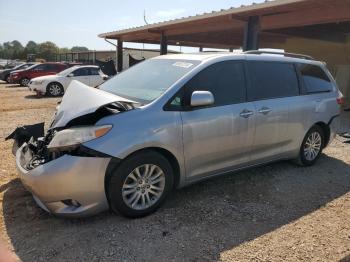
(38, 88)
(57, 186)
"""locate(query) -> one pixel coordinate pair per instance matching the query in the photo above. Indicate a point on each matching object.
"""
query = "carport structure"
(320, 28)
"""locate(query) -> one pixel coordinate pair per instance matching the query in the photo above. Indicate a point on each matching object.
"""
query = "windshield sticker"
(183, 64)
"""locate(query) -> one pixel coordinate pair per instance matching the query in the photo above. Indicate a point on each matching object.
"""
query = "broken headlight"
(69, 139)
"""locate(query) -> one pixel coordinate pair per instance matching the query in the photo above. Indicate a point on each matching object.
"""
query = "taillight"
(340, 100)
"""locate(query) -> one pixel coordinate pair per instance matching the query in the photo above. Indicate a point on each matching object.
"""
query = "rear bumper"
(57, 186)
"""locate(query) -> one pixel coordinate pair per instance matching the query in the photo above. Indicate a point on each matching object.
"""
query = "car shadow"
(13, 86)
(34, 96)
(197, 223)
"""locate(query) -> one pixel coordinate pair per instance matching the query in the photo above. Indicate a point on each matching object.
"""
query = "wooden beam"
(339, 11)
(227, 40)
(313, 33)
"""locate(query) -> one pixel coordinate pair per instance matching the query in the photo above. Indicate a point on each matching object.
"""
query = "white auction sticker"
(183, 64)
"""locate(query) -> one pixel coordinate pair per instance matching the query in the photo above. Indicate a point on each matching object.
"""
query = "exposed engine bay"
(36, 149)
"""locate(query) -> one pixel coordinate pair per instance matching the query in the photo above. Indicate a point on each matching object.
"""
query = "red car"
(23, 77)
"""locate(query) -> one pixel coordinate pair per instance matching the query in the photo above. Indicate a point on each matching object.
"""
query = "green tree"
(79, 49)
(18, 50)
(1, 51)
(31, 48)
(7, 50)
(64, 50)
(48, 50)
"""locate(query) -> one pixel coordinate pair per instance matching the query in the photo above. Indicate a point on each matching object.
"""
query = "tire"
(54, 89)
(127, 192)
(314, 139)
(24, 81)
(7, 78)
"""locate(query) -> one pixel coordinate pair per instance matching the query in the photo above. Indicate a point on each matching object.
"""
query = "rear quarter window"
(315, 79)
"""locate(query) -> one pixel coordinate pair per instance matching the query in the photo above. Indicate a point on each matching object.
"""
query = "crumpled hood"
(80, 100)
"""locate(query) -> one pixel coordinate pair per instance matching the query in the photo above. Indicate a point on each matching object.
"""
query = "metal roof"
(233, 10)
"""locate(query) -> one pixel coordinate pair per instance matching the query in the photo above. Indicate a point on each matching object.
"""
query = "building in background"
(320, 29)
(130, 56)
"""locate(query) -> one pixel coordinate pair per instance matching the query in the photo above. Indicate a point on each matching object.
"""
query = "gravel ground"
(279, 212)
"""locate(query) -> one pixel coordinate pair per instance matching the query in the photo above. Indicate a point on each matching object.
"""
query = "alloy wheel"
(312, 146)
(143, 187)
(55, 89)
(25, 82)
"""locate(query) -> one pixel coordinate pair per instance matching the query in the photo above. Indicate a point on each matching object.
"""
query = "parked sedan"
(5, 74)
(55, 85)
(23, 77)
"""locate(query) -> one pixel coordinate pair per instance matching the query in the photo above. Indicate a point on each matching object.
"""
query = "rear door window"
(272, 80)
(225, 80)
(41, 68)
(314, 79)
(94, 71)
(52, 67)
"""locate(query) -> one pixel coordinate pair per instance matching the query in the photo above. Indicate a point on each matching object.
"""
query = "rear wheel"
(139, 185)
(24, 81)
(54, 89)
(7, 78)
(311, 147)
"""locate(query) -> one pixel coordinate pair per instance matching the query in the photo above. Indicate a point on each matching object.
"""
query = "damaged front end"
(41, 148)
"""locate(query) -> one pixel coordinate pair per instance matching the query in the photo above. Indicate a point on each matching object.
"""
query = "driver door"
(218, 137)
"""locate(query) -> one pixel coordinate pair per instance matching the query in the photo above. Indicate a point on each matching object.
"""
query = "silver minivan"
(171, 121)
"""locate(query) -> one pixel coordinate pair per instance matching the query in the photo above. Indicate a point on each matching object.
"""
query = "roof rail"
(261, 52)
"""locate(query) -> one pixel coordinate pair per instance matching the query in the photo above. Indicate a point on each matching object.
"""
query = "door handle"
(246, 113)
(264, 110)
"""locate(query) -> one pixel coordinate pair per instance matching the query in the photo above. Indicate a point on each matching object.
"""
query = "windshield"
(32, 66)
(66, 71)
(21, 66)
(148, 80)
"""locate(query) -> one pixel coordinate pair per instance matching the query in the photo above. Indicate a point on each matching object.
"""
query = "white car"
(56, 85)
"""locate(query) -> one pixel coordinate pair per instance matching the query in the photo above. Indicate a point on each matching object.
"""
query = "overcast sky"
(78, 22)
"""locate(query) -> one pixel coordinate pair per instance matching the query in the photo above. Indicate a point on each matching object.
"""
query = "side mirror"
(202, 98)
(70, 75)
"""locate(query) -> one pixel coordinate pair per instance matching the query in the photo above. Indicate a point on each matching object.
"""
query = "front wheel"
(54, 89)
(312, 146)
(139, 185)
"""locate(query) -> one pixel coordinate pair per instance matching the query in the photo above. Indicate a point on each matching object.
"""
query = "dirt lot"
(278, 212)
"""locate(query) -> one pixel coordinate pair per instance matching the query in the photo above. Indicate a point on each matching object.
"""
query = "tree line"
(46, 50)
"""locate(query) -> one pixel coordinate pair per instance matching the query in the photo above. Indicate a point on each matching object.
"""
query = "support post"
(251, 34)
(120, 56)
(163, 45)
(201, 49)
